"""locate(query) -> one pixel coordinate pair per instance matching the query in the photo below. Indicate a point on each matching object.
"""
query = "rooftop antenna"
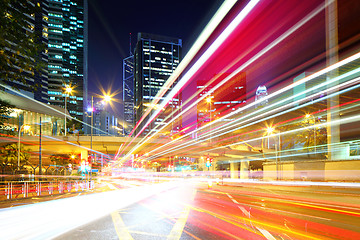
(130, 46)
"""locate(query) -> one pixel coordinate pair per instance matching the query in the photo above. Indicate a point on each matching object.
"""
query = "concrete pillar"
(244, 169)
(333, 127)
(84, 155)
(234, 170)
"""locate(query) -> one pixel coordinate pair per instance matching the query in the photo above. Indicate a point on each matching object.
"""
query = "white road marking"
(120, 227)
(264, 232)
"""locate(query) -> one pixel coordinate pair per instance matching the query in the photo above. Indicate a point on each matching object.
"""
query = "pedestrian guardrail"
(32, 188)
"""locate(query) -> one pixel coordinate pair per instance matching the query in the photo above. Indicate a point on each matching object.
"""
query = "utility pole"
(332, 57)
(40, 160)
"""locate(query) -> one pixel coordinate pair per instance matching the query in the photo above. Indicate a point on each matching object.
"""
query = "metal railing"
(16, 189)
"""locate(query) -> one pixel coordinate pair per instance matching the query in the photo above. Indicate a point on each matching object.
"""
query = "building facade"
(67, 54)
(156, 57)
(60, 30)
(230, 97)
(105, 123)
(128, 95)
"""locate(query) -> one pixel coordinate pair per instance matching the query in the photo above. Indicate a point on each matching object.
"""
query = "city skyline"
(252, 133)
(111, 24)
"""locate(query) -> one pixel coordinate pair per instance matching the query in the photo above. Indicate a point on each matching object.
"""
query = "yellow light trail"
(262, 52)
(270, 113)
(273, 227)
(214, 46)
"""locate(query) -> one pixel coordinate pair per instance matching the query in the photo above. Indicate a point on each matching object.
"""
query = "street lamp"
(26, 127)
(208, 100)
(68, 90)
(107, 98)
(270, 130)
(307, 116)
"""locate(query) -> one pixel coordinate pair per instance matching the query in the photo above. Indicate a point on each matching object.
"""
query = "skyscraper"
(156, 57)
(230, 97)
(23, 45)
(41, 30)
(67, 53)
(128, 94)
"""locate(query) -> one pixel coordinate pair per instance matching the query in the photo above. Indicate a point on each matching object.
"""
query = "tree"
(308, 137)
(20, 47)
(75, 124)
(9, 156)
(60, 159)
(5, 110)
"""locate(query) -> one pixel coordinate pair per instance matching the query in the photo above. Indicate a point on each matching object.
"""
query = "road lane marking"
(178, 227)
(331, 207)
(246, 213)
(278, 228)
(148, 234)
(120, 227)
(111, 186)
(264, 232)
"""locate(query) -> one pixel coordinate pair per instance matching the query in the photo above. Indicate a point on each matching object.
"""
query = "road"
(194, 210)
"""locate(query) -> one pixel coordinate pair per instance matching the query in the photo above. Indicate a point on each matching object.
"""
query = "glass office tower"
(128, 94)
(67, 53)
(156, 57)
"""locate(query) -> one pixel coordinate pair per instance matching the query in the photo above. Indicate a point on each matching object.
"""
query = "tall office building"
(67, 53)
(26, 73)
(156, 57)
(105, 123)
(226, 99)
(128, 94)
(41, 31)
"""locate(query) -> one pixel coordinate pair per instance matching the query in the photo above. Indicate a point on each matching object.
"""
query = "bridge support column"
(84, 155)
(244, 169)
(234, 170)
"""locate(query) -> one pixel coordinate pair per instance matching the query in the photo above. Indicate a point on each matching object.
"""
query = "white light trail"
(270, 112)
(200, 41)
(199, 63)
(32, 221)
(253, 59)
(205, 34)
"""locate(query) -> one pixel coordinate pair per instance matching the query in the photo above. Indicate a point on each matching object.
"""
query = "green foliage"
(74, 124)
(5, 111)
(20, 46)
(9, 155)
(60, 159)
(256, 165)
(308, 137)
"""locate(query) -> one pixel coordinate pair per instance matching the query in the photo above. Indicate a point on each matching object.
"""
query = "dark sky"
(111, 22)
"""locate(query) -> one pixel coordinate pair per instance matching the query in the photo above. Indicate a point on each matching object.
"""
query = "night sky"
(111, 22)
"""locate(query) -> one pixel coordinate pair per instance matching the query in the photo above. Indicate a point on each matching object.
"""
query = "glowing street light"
(68, 90)
(26, 128)
(270, 131)
(107, 98)
(208, 100)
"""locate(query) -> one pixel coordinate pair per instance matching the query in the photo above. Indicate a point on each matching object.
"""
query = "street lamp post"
(68, 90)
(208, 100)
(308, 116)
(278, 150)
(92, 121)
(26, 127)
(107, 98)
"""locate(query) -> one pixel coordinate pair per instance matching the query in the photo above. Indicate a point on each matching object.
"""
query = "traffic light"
(208, 163)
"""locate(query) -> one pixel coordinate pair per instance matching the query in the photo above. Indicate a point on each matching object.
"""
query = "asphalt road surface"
(194, 210)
